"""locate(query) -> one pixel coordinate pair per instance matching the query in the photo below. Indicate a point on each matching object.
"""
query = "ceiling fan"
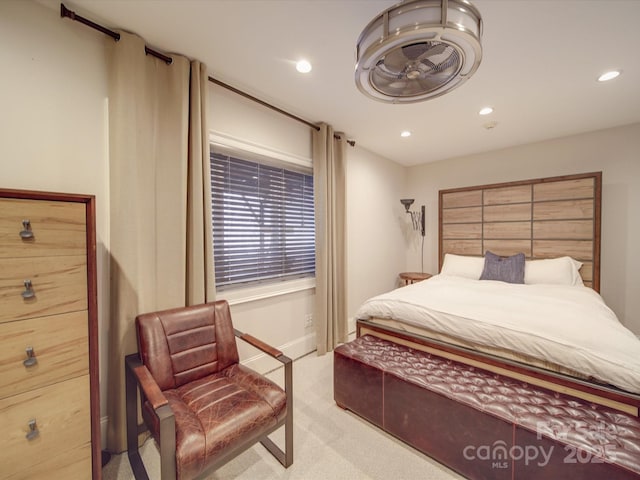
(418, 49)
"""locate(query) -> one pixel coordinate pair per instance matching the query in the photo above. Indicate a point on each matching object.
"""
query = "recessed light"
(406, 133)
(303, 66)
(609, 75)
(485, 111)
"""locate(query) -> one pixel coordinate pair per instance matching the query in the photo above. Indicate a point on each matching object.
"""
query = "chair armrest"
(262, 346)
(145, 381)
(149, 386)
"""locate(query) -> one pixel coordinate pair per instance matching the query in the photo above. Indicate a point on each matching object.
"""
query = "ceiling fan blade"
(442, 64)
(414, 51)
(396, 61)
(432, 49)
(432, 82)
(428, 66)
(382, 73)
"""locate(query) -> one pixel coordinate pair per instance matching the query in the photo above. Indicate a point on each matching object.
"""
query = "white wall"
(378, 231)
(615, 152)
(53, 126)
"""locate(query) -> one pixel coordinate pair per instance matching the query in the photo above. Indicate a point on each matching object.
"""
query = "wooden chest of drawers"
(49, 386)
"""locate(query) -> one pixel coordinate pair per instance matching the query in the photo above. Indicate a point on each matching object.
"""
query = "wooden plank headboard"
(544, 218)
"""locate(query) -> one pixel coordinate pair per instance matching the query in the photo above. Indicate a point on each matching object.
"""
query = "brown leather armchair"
(200, 404)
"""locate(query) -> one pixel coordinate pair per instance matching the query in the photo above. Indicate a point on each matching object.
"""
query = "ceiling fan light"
(418, 49)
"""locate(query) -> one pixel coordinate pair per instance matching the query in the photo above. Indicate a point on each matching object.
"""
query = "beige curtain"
(200, 285)
(158, 213)
(330, 312)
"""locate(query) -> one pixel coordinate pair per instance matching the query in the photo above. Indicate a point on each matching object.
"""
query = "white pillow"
(553, 271)
(462, 266)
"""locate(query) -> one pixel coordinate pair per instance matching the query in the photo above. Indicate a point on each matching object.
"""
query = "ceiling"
(539, 68)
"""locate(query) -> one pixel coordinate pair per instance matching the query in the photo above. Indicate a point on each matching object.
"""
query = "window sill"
(252, 294)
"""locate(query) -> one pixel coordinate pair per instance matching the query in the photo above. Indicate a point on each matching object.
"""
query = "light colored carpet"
(329, 443)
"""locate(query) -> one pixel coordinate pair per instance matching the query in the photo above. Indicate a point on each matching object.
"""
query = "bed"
(469, 360)
(554, 223)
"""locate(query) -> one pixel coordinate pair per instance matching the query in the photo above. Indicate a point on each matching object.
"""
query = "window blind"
(263, 221)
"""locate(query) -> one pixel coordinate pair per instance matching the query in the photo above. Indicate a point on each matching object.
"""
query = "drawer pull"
(33, 430)
(26, 233)
(28, 290)
(31, 359)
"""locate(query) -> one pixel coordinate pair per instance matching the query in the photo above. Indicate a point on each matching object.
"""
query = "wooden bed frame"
(544, 218)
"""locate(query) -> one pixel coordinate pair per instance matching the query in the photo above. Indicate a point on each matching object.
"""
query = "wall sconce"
(417, 218)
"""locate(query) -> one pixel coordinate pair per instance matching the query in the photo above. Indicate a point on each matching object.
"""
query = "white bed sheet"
(568, 325)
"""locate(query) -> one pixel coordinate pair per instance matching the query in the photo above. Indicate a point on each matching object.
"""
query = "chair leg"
(288, 427)
(286, 457)
(131, 405)
(167, 443)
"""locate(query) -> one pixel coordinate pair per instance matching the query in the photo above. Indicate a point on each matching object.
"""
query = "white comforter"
(567, 325)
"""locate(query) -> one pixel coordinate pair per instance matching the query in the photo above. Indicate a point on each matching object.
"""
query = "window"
(263, 220)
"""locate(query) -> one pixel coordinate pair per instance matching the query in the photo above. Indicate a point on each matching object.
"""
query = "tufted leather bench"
(479, 423)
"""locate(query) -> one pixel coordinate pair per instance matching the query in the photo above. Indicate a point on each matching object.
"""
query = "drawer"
(72, 465)
(60, 344)
(61, 412)
(59, 286)
(58, 228)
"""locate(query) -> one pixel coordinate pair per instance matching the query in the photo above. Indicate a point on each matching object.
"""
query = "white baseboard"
(262, 363)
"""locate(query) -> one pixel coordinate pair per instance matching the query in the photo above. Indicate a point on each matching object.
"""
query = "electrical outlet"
(308, 320)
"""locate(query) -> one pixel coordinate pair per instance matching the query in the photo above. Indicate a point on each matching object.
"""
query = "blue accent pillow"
(504, 269)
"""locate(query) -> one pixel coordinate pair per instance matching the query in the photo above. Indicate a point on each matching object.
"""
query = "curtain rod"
(263, 103)
(65, 12)
(273, 107)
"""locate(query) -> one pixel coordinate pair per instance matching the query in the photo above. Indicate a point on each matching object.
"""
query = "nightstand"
(412, 277)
